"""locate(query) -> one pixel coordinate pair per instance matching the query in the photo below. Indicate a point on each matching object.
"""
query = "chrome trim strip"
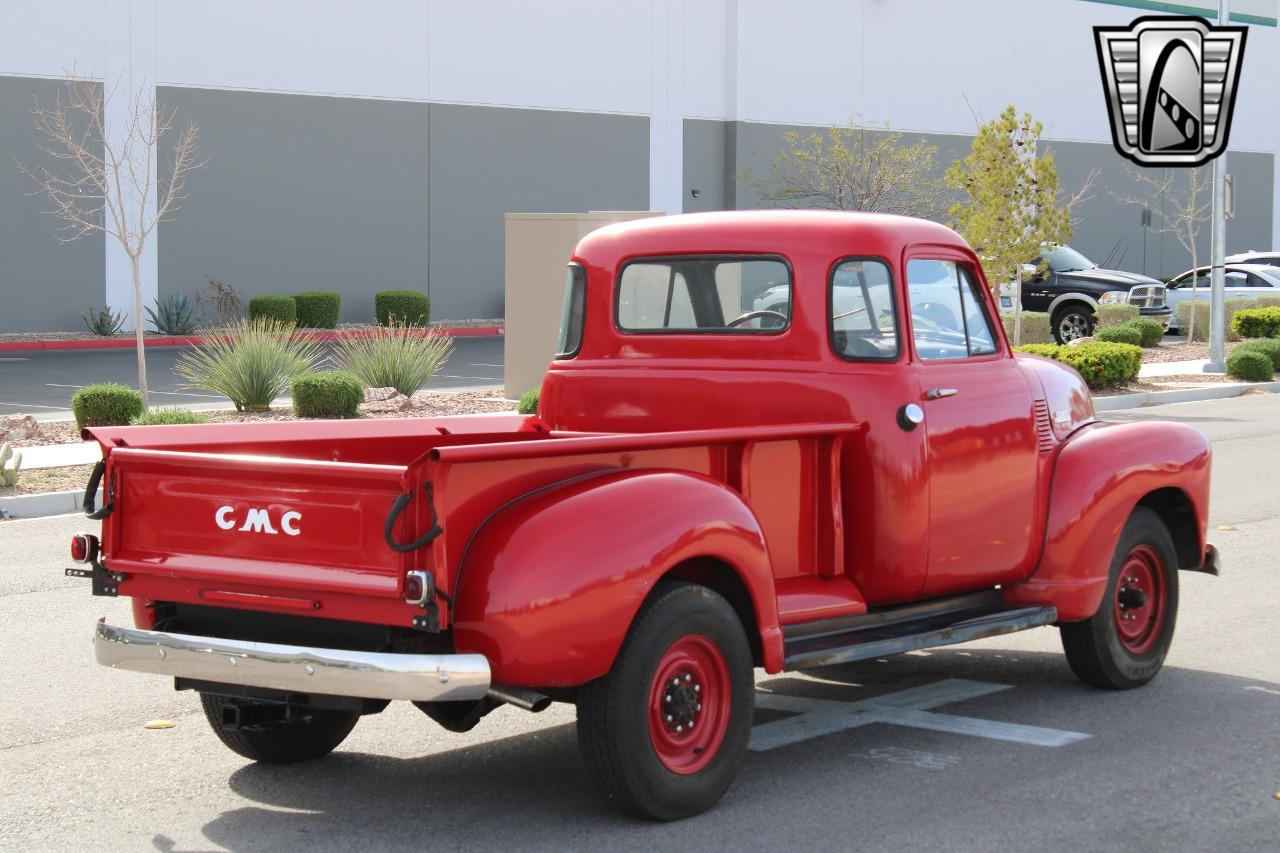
(336, 672)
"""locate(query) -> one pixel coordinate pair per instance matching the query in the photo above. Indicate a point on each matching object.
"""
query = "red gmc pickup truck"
(770, 439)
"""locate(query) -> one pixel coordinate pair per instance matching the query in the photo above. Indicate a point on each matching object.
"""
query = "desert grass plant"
(399, 357)
(168, 417)
(529, 402)
(105, 404)
(251, 362)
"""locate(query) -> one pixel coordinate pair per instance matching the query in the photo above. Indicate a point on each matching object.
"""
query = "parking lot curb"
(1180, 395)
(44, 504)
(196, 340)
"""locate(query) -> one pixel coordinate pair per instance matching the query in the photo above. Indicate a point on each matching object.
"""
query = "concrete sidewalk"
(1173, 368)
(60, 455)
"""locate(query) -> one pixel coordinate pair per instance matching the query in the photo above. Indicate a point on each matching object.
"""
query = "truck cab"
(774, 439)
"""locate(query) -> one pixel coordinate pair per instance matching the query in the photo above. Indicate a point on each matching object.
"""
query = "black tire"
(615, 712)
(1072, 321)
(1096, 650)
(310, 734)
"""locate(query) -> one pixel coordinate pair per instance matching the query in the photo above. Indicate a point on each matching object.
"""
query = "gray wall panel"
(45, 284)
(705, 169)
(301, 193)
(486, 162)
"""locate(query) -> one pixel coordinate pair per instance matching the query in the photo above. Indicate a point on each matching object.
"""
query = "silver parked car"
(1243, 280)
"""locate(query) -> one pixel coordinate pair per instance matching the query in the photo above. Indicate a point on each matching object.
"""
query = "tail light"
(84, 548)
(417, 588)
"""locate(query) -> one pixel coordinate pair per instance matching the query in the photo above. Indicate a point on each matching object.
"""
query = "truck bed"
(294, 517)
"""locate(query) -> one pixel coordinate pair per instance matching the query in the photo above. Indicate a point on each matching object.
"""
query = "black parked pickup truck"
(1072, 286)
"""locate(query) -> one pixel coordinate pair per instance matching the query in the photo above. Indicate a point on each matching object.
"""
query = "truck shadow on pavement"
(532, 790)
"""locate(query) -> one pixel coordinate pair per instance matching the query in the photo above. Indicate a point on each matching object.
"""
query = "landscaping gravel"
(40, 480)
(86, 335)
(1180, 352)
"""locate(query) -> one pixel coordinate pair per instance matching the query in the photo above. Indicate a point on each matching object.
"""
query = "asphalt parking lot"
(42, 381)
(988, 746)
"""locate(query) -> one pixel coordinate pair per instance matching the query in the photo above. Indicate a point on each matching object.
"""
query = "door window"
(948, 315)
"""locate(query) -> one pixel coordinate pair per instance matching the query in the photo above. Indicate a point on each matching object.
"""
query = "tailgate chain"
(397, 508)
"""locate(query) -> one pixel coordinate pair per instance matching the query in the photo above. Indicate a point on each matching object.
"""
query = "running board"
(878, 637)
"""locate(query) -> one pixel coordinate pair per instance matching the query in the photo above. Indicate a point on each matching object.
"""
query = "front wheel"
(307, 734)
(664, 731)
(1124, 644)
(1072, 322)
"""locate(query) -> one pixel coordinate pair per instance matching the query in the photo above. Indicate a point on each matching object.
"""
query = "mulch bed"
(425, 405)
(1181, 352)
(38, 480)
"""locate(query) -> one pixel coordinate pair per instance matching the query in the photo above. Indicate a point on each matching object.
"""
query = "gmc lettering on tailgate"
(257, 521)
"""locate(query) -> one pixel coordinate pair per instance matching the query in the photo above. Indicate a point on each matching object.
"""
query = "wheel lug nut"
(668, 699)
(698, 707)
(679, 728)
(691, 725)
(670, 718)
(697, 688)
(688, 677)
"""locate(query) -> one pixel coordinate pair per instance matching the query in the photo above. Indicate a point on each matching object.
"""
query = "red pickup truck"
(770, 439)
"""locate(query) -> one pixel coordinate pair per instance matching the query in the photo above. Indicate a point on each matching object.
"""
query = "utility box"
(538, 247)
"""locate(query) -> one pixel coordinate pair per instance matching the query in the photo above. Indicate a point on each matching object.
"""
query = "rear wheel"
(664, 731)
(308, 732)
(1124, 644)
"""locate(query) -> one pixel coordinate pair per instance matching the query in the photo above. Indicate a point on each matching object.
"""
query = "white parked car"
(1253, 257)
(1243, 280)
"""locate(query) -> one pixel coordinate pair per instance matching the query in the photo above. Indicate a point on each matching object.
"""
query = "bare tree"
(855, 167)
(1179, 201)
(104, 180)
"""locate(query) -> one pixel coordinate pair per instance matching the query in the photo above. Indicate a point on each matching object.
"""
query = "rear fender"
(551, 583)
(1100, 475)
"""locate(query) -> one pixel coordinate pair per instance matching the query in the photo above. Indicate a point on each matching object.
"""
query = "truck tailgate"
(308, 525)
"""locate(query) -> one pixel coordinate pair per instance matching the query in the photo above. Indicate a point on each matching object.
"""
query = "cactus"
(103, 322)
(9, 476)
(174, 314)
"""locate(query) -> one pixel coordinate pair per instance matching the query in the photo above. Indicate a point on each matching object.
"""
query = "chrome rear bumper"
(335, 672)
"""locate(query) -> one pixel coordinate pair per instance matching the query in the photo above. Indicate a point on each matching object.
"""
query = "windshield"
(1067, 259)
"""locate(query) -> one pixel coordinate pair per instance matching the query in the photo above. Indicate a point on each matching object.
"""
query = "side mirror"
(1029, 272)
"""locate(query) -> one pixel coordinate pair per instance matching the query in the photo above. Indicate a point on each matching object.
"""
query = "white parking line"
(32, 406)
(817, 717)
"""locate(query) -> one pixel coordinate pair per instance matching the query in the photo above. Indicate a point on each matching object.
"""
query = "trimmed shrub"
(327, 394)
(1151, 331)
(1202, 314)
(402, 308)
(1250, 366)
(1102, 363)
(1270, 347)
(282, 309)
(1115, 314)
(1045, 350)
(1035, 327)
(251, 362)
(1125, 334)
(317, 309)
(1256, 323)
(168, 417)
(529, 402)
(399, 357)
(105, 404)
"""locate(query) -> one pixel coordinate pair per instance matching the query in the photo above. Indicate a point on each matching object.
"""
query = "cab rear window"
(724, 294)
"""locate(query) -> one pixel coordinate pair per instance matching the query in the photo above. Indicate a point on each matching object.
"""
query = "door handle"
(939, 393)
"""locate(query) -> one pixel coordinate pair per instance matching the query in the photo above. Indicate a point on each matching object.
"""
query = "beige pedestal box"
(538, 247)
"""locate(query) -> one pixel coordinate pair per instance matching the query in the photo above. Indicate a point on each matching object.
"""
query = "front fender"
(1100, 475)
(551, 583)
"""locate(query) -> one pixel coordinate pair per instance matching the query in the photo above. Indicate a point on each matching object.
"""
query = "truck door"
(979, 426)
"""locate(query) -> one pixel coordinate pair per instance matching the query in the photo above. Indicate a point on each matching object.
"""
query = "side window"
(572, 312)
(864, 324)
(948, 316)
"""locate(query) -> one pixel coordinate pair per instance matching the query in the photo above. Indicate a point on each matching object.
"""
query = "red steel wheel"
(1124, 643)
(689, 704)
(1139, 600)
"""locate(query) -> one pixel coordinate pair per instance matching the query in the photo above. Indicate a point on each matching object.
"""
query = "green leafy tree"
(1009, 198)
(854, 167)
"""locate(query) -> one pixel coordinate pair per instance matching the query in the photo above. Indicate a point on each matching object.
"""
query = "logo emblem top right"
(1171, 85)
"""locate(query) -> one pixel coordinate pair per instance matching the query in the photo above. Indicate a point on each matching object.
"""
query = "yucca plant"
(174, 314)
(400, 357)
(250, 361)
(103, 321)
